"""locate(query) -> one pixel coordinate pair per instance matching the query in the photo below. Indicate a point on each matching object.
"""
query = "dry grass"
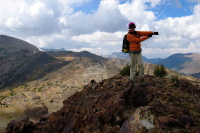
(8, 114)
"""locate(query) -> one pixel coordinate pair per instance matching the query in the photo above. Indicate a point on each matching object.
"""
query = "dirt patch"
(7, 114)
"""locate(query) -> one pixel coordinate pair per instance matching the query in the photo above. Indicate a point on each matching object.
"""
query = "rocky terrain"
(110, 106)
(45, 93)
(51, 81)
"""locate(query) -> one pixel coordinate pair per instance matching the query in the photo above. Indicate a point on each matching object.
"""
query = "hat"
(131, 24)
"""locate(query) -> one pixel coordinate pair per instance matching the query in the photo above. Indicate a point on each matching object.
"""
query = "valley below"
(46, 94)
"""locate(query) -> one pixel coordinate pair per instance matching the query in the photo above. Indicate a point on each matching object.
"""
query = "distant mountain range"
(183, 63)
(52, 49)
(125, 56)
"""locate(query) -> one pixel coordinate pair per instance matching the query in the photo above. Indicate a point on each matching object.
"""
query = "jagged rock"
(19, 125)
(36, 98)
(185, 120)
(36, 112)
(44, 118)
(138, 123)
(113, 107)
(169, 121)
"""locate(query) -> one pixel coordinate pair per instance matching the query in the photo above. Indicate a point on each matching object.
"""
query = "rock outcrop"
(110, 106)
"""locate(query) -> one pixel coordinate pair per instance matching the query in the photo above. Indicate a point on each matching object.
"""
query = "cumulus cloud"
(102, 41)
(30, 18)
(56, 24)
(107, 18)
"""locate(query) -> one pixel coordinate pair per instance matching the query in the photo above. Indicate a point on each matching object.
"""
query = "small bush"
(175, 79)
(12, 92)
(125, 70)
(34, 90)
(40, 89)
(160, 71)
(2, 97)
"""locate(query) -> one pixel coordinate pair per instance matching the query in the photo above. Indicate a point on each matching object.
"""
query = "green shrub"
(175, 79)
(125, 70)
(2, 97)
(34, 90)
(160, 71)
(12, 92)
(40, 89)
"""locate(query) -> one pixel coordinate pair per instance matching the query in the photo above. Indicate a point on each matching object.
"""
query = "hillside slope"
(183, 63)
(61, 54)
(111, 106)
(13, 53)
(50, 80)
(8, 42)
(27, 68)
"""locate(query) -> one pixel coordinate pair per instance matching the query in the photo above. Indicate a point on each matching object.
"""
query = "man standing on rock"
(135, 38)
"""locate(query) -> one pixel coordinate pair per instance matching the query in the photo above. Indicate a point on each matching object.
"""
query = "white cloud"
(56, 24)
(12, 22)
(34, 18)
(102, 41)
(155, 3)
(107, 18)
(136, 11)
(178, 34)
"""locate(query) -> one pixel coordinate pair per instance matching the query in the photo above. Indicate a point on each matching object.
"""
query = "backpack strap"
(135, 32)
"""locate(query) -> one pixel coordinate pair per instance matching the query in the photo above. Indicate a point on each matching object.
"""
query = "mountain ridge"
(11, 42)
(125, 56)
(74, 54)
(183, 63)
(13, 53)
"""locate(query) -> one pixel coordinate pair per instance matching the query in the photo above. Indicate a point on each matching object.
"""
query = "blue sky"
(88, 7)
(170, 8)
(98, 26)
(165, 9)
(173, 9)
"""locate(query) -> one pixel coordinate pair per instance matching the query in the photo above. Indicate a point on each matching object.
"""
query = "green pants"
(136, 62)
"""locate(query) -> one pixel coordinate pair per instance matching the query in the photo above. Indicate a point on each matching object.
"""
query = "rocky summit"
(111, 106)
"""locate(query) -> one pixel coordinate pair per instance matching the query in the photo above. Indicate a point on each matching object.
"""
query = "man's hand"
(156, 33)
(150, 35)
